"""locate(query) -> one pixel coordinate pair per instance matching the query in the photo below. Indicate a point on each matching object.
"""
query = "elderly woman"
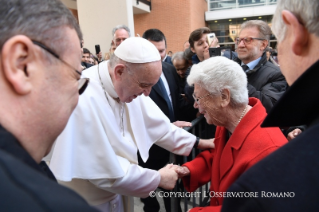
(221, 95)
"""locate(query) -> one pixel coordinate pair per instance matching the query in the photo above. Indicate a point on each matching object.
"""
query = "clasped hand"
(170, 174)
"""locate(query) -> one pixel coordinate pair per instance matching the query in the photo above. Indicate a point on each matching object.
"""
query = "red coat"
(221, 166)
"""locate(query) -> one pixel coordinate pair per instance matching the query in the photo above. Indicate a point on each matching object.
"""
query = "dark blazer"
(156, 95)
(265, 82)
(28, 186)
(168, 59)
(158, 156)
(288, 179)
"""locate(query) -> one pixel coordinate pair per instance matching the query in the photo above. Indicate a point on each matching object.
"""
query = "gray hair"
(263, 28)
(218, 73)
(40, 20)
(178, 56)
(132, 67)
(306, 11)
(121, 27)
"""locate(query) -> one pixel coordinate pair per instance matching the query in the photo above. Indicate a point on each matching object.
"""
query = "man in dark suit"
(168, 59)
(40, 87)
(165, 93)
(288, 179)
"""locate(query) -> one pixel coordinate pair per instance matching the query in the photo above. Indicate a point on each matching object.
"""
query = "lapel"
(169, 75)
(249, 122)
(158, 90)
(170, 81)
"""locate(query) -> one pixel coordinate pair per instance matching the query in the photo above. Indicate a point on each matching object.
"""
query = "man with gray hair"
(120, 33)
(96, 154)
(265, 81)
(40, 85)
(287, 180)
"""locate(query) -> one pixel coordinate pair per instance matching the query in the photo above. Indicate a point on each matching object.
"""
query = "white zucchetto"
(137, 50)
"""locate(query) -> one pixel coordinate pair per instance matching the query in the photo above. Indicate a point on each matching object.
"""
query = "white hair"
(218, 73)
(306, 11)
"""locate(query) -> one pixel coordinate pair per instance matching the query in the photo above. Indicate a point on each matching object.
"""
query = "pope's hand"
(168, 177)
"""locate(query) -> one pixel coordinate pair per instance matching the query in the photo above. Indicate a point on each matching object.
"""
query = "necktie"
(245, 68)
(168, 102)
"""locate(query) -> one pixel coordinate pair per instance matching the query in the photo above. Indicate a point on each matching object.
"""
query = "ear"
(16, 56)
(298, 33)
(264, 45)
(118, 71)
(192, 49)
(225, 97)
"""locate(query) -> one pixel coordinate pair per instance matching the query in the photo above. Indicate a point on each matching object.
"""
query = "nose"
(241, 43)
(195, 104)
(147, 91)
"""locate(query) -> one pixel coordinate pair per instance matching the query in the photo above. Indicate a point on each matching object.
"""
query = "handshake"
(170, 174)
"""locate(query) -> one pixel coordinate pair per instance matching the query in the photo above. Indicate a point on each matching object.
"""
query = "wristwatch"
(196, 142)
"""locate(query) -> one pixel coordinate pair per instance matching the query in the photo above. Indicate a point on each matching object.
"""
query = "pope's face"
(139, 80)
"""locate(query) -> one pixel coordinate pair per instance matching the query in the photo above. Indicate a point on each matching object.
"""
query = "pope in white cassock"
(96, 154)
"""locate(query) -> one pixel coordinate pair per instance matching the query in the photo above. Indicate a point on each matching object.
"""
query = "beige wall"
(97, 18)
(175, 18)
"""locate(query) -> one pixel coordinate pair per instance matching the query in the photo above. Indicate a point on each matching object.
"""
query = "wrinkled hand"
(182, 124)
(168, 177)
(293, 134)
(182, 171)
(206, 144)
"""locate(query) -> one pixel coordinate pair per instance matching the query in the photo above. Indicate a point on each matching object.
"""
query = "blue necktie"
(168, 102)
(245, 68)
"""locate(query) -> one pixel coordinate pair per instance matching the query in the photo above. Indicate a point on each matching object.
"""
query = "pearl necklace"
(242, 114)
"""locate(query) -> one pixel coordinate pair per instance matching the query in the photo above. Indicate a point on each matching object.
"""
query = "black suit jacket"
(28, 186)
(156, 95)
(168, 59)
(159, 157)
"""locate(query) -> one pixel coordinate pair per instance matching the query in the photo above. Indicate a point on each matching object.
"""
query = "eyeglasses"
(247, 40)
(198, 98)
(82, 82)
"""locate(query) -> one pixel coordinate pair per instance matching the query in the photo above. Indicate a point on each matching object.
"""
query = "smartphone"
(97, 49)
(225, 51)
(210, 38)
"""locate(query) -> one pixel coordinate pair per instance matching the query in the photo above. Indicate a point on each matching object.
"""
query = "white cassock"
(96, 154)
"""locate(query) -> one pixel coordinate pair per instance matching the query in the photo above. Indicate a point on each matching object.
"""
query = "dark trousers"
(158, 158)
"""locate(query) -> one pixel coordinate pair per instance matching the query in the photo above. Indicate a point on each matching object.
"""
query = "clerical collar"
(107, 81)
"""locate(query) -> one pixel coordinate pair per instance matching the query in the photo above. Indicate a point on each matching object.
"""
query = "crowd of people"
(111, 123)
